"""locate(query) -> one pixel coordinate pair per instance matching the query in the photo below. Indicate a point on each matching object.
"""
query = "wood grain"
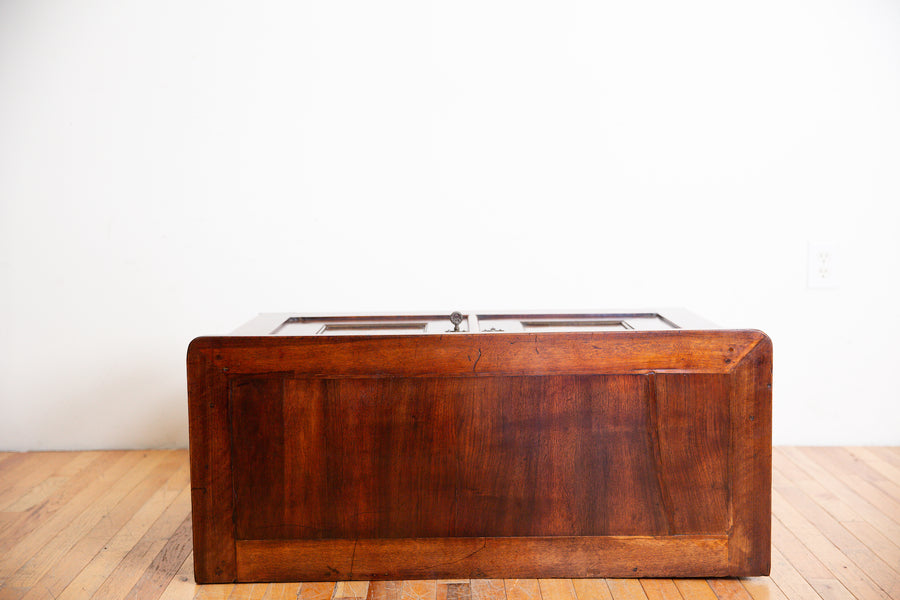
(171, 464)
(35, 528)
(30, 477)
(813, 498)
(418, 590)
(591, 589)
(384, 590)
(487, 589)
(840, 489)
(863, 481)
(835, 565)
(273, 591)
(751, 463)
(258, 443)
(212, 486)
(762, 588)
(786, 577)
(115, 549)
(463, 471)
(729, 589)
(142, 557)
(690, 424)
(626, 589)
(885, 575)
(453, 590)
(317, 591)
(215, 592)
(517, 436)
(508, 354)
(557, 589)
(345, 590)
(435, 558)
(181, 586)
(523, 589)
(660, 589)
(79, 497)
(695, 589)
(158, 574)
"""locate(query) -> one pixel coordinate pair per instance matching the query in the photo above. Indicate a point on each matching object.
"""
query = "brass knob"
(456, 318)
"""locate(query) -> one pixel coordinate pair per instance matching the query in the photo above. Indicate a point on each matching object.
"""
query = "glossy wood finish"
(211, 473)
(538, 454)
(111, 525)
(325, 459)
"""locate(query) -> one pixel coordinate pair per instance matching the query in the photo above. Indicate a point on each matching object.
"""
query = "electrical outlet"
(821, 267)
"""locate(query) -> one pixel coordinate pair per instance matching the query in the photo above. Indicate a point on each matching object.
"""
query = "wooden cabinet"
(489, 445)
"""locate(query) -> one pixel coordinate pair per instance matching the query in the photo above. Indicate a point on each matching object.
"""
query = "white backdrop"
(170, 169)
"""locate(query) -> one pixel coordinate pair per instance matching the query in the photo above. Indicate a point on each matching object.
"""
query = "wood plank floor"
(117, 525)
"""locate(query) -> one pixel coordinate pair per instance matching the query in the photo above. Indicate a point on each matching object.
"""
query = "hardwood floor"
(117, 525)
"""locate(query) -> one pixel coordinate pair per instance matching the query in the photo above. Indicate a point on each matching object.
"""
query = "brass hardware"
(456, 318)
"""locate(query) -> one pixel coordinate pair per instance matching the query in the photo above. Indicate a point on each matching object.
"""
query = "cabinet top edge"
(304, 324)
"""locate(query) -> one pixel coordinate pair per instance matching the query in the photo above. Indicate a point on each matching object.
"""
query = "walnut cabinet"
(628, 444)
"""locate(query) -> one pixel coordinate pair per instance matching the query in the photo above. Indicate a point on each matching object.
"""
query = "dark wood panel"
(439, 558)
(751, 463)
(476, 456)
(690, 420)
(306, 421)
(258, 456)
(510, 437)
(464, 354)
(212, 488)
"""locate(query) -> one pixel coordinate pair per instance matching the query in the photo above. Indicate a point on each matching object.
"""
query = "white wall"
(169, 169)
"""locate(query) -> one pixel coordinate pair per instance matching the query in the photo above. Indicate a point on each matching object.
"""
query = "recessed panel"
(548, 323)
(574, 324)
(475, 456)
(373, 325)
(371, 328)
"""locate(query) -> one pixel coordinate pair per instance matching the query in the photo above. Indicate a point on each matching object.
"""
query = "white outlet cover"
(822, 267)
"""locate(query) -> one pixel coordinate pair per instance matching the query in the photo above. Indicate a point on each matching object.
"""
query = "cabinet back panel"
(503, 456)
